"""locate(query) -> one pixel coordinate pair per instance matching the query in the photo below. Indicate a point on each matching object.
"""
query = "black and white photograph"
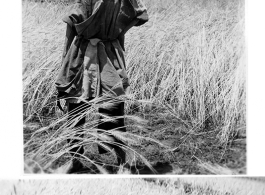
(134, 186)
(129, 97)
(134, 87)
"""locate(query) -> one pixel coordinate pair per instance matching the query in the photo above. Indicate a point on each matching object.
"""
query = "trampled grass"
(187, 62)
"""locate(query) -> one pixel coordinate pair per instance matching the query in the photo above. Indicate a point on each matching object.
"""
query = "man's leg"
(76, 110)
(117, 110)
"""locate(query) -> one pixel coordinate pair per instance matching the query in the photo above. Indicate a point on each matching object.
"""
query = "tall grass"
(188, 60)
(192, 58)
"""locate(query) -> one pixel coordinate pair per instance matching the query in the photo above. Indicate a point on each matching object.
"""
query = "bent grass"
(188, 60)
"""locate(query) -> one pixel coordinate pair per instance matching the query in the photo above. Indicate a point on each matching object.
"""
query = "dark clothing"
(77, 109)
(93, 60)
(118, 124)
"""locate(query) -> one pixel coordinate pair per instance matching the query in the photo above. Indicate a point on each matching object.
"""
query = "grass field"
(187, 102)
(180, 186)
